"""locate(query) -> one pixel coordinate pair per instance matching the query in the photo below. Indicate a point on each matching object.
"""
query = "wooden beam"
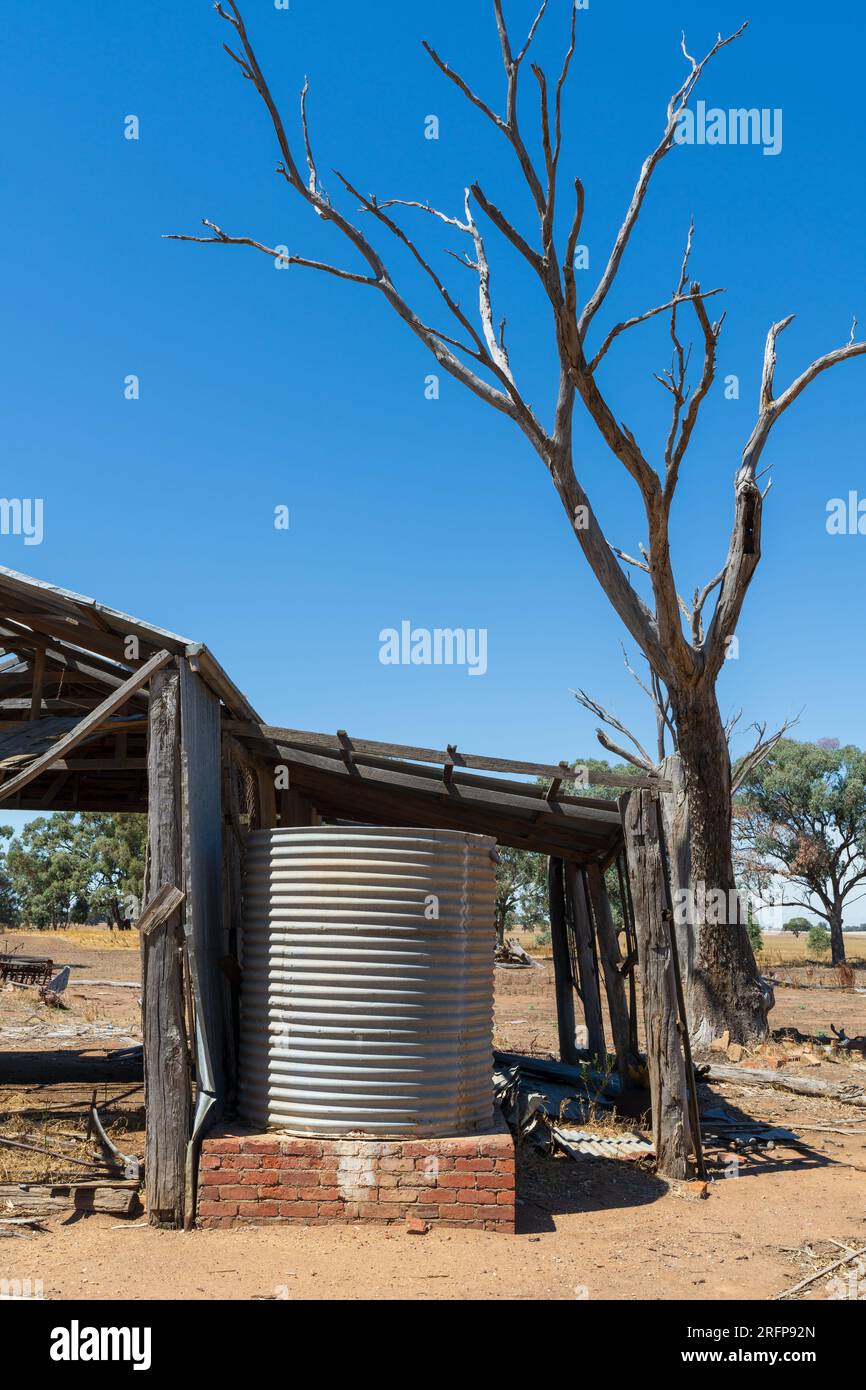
(38, 682)
(562, 974)
(100, 765)
(300, 738)
(520, 795)
(614, 983)
(205, 664)
(166, 1078)
(87, 725)
(68, 658)
(36, 592)
(166, 901)
(79, 634)
(587, 969)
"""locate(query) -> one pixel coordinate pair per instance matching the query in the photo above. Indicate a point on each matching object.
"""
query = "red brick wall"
(262, 1178)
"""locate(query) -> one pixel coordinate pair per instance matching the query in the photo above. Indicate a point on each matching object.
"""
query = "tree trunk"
(724, 990)
(837, 940)
(500, 926)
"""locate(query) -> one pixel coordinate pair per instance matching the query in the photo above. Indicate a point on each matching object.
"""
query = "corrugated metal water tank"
(367, 989)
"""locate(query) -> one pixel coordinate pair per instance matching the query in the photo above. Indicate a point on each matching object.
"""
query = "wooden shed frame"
(102, 711)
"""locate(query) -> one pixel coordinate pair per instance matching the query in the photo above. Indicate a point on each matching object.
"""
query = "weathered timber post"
(677, 827)
(581, 923)
(631, 947)
(267, 795)
(614, 984)
(672, 1131)
(166, 1078)
(562, 972)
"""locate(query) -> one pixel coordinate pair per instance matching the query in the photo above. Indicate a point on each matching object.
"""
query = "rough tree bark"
(837, 940)
(724, 989)
(476, 354)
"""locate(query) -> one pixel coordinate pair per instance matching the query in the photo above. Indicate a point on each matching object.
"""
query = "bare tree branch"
(762, 749)
(221, 238)
(744, 549)
(649, 314)
(642, 759)
(677, 104)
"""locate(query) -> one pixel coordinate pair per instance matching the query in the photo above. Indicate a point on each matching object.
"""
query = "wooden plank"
(666, 1064)
(47, 1199)
(614, 983)
(563, 982)
(87, 725)
(306, 740)
(267, 796)
(64, 657)
(100, 765)
(581, 925)
(519, 796)
(81, 634)
(65, 601)
(38, 683)
(166, 1079)
(205, 664)
(161, 906)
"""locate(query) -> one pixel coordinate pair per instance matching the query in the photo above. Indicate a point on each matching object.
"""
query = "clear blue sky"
(261, 388)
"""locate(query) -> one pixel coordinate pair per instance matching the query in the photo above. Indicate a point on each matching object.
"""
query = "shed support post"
(587, 969)
(562, 972)
(614, 984)
(669, 1084)
(166, 1076)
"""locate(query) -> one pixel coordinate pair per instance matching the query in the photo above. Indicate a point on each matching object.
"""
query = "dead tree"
(684, 653)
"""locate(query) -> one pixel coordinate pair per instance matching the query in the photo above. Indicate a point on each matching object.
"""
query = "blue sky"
(261, 388)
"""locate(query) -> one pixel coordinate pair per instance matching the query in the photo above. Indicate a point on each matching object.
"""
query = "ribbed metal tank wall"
(367, 994)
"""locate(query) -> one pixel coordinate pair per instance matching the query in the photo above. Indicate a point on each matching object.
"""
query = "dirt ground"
(593, 1228)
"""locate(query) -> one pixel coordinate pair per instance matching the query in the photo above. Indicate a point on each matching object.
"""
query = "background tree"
(797, 925)
(521, 889)
(75, 867)
(521, 877)
(801, 822)
(684, 646)
(9, 912)
(818, 941)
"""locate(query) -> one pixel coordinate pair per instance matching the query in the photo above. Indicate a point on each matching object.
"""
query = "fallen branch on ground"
(781, 1081)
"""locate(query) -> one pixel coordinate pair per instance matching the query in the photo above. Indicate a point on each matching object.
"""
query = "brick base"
(261, 1179)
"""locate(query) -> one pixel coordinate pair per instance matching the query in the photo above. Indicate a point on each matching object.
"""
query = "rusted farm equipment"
(25, 970)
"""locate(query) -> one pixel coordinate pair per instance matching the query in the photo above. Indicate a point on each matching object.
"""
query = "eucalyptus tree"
(800, 831)
(685, 643)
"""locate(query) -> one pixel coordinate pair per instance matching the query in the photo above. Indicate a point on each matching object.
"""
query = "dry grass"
(780, 948)
(783, 948)
(97, 938)
(64, 1134)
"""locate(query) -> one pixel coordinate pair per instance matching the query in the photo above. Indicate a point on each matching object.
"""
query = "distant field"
(780, 948)
(783, 948)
